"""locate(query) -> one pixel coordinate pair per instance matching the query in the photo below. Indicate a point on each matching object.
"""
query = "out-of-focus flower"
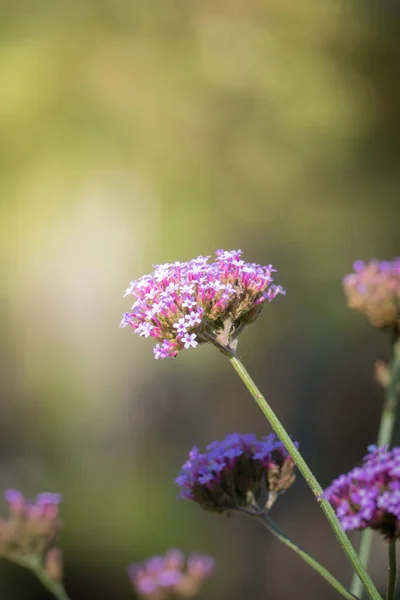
(239, 472)
(31, 530)
(183, 305)
(369, 496)
(374, 289)
(164, 577)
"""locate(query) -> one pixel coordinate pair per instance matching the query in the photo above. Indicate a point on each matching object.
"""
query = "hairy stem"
(274, 529)
(34, 565)
(391, 399)
(356, 586)
(385, 433)
(391, 588)
(308, 476)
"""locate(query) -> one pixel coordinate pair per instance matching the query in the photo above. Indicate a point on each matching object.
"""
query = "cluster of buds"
(369, 496)
(374, 289)
(165, 577)
(182, 305)
(237, 473)
(31, 531)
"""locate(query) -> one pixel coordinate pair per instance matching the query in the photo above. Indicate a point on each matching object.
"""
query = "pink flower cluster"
(369, 495)
(237, 472)
(182, 305)
(31, 530)
(374, 289)
(164, 577)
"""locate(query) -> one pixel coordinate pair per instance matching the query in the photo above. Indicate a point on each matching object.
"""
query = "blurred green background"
(134, 133)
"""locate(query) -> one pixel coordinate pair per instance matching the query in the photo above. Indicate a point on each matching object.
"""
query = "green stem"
(274, 529)
(34, 565)
(308, 476)
(391, 400)
(391, 589)
(385, 433)
(356, 586)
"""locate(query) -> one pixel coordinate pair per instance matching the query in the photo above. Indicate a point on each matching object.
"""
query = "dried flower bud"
(183, 305)
(382, 373)
(239, 472)
(374, 289)
(164, 577)
(53, 563)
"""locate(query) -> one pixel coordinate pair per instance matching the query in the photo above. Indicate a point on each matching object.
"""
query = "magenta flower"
(32, 530)
(239, 472)
(369, 496)
(182, 305)
(374, 289)
(165, 577)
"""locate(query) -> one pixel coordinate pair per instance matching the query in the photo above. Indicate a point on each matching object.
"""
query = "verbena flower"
(164, 577)
(369, 496)
(239, 472)
(182, 305)
(31, 530)
(374, 289)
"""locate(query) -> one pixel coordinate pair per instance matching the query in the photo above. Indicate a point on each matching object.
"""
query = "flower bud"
(382, 373)
(53, 563)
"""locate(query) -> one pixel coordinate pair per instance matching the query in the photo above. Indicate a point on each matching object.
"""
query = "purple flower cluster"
(239, 472)
(32, 529)
(374, 289)
(183, 305)
(369, 496)
(163, 577)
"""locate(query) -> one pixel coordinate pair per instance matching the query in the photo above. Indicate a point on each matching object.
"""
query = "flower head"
(374, 289)
(182, 305)
(369, 496)
(164, 577)
(32, 529)
(239, 472)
